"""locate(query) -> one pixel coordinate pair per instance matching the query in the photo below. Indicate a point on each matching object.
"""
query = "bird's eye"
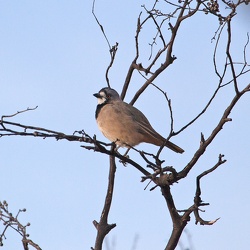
(108, 96)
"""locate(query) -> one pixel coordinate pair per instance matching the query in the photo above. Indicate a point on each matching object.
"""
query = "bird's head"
(107, 95)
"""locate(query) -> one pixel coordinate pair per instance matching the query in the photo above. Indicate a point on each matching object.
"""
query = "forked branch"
(102, 227)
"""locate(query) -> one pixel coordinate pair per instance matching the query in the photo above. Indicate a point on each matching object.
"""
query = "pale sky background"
(52, 54)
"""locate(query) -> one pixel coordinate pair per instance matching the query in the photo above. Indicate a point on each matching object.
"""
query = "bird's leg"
(126, 145)
(126, 153)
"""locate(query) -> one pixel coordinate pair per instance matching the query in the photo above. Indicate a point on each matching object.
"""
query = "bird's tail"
(174, 147)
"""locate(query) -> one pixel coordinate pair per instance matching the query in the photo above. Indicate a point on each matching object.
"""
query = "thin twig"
(230, 57)
(112, 50)
(17, 113)
(101, 27)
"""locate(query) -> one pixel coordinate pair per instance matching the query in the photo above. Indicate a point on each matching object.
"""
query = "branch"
(40, 132)
(225, 118)
(201, 113)
(101, 27)
(112, 50)
(17, 113)
(169, 59)
(9, 221)
(230, 57)
(103, 228)
(197, 199)
(178, 223)
(99, 146)
(134, 61)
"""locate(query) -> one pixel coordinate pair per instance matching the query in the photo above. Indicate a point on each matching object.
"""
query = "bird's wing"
(143, 126)
(142, 122)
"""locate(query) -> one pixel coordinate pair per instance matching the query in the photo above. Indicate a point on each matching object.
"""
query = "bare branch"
(112, 50)
(134, 61)
(103, 228)
(225, 118)
(17, 113)
(230, 57)
(178, 223)
(197, 199)
(201, 113)
(101, 27)
(99, 148)
(245, 48)
(10, 221)
(47, 133)
(169, 59)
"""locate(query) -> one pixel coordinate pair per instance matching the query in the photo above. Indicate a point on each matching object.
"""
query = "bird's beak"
(97, 95)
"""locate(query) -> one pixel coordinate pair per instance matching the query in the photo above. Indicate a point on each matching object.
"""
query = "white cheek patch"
(102, 99)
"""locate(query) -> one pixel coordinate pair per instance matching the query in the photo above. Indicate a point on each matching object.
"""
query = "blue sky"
(52, 54)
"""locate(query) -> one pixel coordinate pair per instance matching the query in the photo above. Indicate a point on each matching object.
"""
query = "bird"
(124, 124)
